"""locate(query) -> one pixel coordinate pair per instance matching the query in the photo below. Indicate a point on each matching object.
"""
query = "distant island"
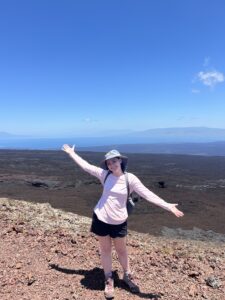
(205, 149)
(184, 140)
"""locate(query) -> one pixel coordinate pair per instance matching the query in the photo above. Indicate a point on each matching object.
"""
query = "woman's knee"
(105, 245)
(121, 251)
(121, 248)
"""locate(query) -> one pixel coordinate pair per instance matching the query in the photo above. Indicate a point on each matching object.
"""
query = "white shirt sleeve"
(137, 186)
(91, 169)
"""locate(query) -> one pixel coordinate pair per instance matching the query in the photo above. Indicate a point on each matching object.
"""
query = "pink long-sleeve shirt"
(111, 207)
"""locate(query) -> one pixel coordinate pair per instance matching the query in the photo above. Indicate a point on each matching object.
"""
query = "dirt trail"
(49, 254)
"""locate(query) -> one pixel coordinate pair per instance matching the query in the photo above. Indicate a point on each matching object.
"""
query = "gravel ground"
(47, 253)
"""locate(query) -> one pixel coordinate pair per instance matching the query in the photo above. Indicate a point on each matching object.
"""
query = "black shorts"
(103, 229)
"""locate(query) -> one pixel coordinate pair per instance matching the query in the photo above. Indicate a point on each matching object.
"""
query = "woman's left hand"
(176, 211)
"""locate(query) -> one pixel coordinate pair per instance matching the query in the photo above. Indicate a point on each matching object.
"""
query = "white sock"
(126, 273)
(108, 275)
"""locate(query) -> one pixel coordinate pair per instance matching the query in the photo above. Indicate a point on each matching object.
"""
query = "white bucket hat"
(112, 154)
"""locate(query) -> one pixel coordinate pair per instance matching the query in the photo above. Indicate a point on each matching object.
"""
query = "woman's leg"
(121, 249)
(105, 243)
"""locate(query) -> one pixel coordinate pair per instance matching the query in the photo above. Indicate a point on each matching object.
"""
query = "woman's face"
(114, 164)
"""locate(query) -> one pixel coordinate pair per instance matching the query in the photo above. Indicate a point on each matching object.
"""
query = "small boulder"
(213, 282)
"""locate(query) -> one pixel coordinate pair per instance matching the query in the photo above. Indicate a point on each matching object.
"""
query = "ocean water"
(56, 143)
(139, 145)
(50, 143)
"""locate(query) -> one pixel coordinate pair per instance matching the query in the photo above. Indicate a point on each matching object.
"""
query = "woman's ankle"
(108, 275)
(127, 272)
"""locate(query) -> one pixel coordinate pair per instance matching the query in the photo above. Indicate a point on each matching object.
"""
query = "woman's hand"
(68, 149)
(176, 211)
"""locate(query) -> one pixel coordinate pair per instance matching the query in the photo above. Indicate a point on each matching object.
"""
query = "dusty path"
(49, 254)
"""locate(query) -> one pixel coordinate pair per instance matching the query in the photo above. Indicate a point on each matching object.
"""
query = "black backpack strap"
(127, 184)
(107, 176)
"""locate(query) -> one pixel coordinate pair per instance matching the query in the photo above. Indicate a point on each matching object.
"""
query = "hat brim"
(124, 161)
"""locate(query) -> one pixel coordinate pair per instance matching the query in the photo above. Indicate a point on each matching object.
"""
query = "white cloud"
(211, 78)
(206, 61)
(195, 91)
(89, 120)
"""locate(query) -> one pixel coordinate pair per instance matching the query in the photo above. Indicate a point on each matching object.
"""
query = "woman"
(109, 221)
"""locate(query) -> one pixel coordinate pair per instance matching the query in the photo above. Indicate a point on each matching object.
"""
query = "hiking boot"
(109, 288)
(129, 280)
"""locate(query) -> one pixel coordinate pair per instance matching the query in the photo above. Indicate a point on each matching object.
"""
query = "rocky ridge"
(46, 253)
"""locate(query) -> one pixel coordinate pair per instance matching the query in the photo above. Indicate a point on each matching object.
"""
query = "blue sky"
(76, 68)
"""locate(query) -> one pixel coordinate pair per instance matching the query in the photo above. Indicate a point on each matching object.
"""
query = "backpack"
(130, 200)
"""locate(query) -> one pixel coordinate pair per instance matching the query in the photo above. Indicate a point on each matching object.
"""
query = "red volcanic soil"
(49, 254)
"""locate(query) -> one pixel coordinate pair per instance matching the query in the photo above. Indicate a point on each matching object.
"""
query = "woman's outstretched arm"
(91, 169)
(145, 193)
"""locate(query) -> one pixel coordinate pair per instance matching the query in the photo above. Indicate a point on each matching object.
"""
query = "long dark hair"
(123, 167)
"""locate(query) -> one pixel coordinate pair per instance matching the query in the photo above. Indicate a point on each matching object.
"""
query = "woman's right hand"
(68, 149)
